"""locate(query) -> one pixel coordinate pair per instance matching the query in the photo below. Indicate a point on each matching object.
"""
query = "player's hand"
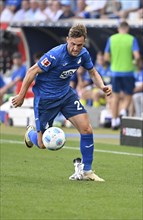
(17, 101)
(107, 90)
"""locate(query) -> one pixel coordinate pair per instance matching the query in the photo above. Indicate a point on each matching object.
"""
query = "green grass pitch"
(35, 185)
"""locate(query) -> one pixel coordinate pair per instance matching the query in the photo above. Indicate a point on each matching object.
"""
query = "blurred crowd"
(53, 10)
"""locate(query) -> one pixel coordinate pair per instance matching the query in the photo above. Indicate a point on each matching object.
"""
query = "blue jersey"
(58, 67)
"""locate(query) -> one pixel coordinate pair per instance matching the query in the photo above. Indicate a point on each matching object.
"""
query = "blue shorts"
(46, 110)
(124, 84)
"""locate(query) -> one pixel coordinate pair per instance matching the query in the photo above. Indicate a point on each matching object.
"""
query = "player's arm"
(29, 78)
(137, 57)
(135, 50)
(99, 82)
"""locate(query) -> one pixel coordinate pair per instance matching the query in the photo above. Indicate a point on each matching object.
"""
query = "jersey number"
(77, 103)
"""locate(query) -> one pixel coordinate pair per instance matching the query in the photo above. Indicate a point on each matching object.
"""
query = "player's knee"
(86, 130)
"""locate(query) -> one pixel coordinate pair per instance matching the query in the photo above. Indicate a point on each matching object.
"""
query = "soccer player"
(53, 95)
(120, 50)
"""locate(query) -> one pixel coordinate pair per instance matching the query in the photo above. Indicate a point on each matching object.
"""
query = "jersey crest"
(45, 62)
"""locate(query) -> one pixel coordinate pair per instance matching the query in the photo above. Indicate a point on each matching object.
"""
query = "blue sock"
(33, 137)
(87, 148)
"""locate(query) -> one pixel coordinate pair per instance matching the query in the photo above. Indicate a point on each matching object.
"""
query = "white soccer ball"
(54, 138)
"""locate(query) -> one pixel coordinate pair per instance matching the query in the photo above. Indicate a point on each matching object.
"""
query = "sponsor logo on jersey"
(45, 62)
(67, 73)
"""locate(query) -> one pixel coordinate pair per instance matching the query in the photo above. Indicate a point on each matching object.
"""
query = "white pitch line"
(75, 148)
(109, 151)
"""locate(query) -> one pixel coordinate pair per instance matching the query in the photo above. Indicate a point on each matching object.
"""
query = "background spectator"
(67, 11)
(111, 9)
(127, 7)
(8, 13)
(81, 9)
(54, 10)
(17, 3)
(20, 14)
(89, 93)
(119, 50)
(30, 14)
(138, 90)
(81, 81)
(41, 14)
(96, 8)
(17, 76)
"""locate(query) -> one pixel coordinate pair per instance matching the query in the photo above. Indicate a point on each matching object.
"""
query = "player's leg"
(33, 137)
(44, 116)
(115, 109)
(116, 88)
(128, 84)
(75, 112)
(126, 101)
(81, 122)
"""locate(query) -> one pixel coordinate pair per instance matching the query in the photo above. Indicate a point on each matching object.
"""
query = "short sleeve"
(46, 62)
(107, 47)
(88, 64)
(135, 46)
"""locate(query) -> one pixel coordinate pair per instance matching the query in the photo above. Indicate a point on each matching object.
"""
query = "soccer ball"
(54, 138)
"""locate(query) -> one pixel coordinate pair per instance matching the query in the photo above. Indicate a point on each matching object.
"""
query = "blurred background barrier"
(131, 132)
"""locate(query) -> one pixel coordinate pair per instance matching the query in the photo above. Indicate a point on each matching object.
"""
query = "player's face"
(75, 45)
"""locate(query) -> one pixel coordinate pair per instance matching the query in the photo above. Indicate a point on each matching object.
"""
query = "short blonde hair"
(78, 30)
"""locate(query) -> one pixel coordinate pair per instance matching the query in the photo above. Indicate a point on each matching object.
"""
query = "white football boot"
(90, 175)
(80, 174)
